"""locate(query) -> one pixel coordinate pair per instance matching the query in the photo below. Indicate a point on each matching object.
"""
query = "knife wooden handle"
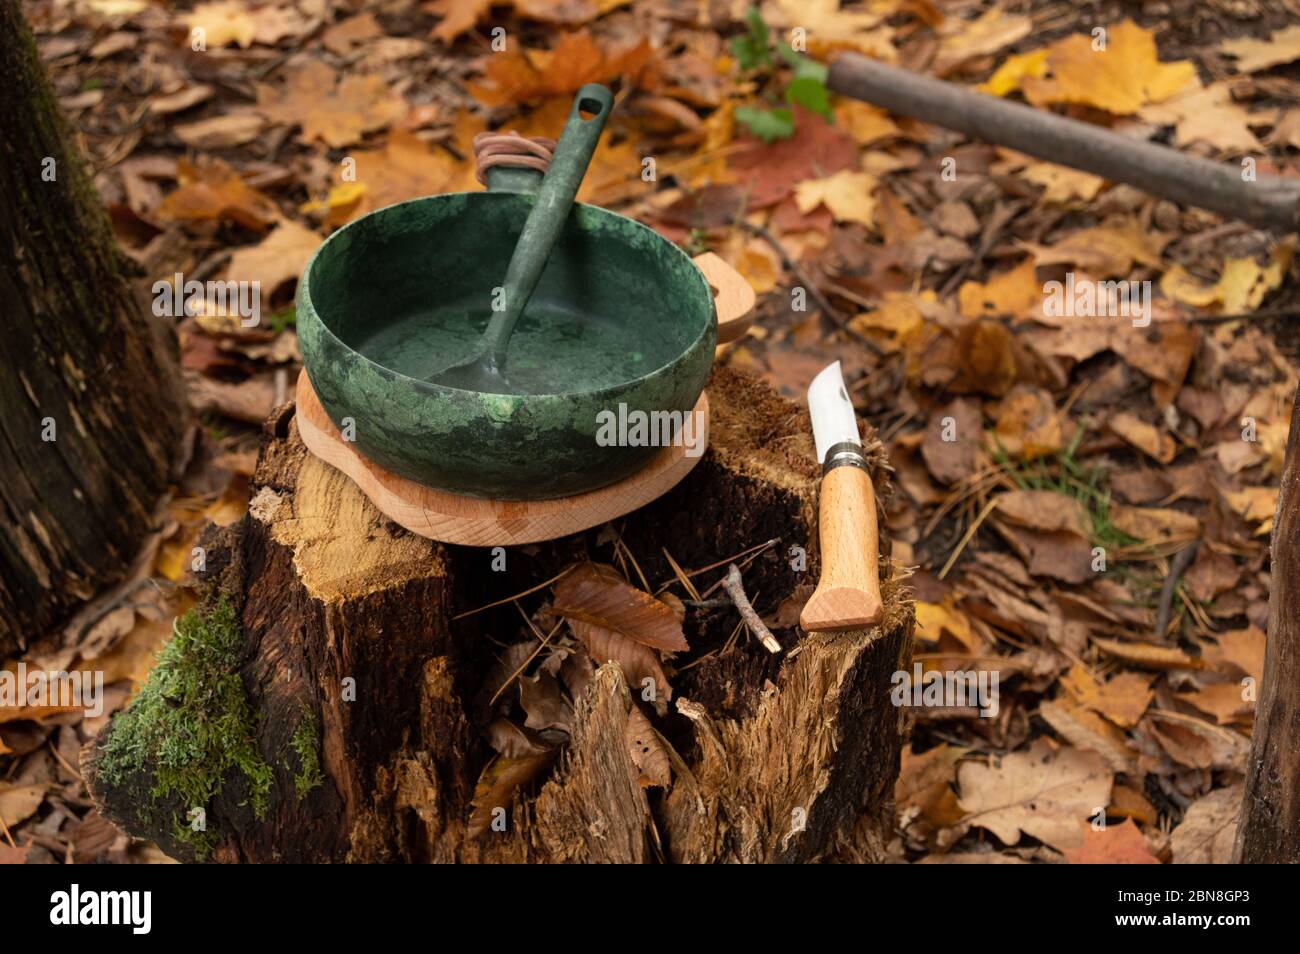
(848, 593)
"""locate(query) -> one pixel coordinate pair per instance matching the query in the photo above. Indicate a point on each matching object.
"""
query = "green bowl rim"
(304, 298)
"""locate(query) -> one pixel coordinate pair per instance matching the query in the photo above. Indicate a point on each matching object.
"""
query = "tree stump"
(1269, 832)
(777, 757)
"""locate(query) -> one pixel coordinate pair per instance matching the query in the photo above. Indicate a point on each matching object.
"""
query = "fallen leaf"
(1087, 731)
(847, 194)
(19, 802)
(221, 23)
(1208, 830)
(527, 75)
(1254, 55)
(215, 191)
(597, 594)
(1147, 438)
(647, 750)
(639, 661)
(497, 785)
(1028, 426)
(337, 111)
(1044, 510)
(1121, 78)
(1148, 655)
(1012, 293)
(1210, 115)
(1123, 699)
(1122, 844)
(1241, 287)
(277, 259)
(952, 438)
(1039, 792)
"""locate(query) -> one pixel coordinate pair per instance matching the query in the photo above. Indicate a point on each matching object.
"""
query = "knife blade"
(833, 419)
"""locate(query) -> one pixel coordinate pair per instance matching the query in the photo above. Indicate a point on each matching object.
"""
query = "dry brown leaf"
(221, 132)
(925, 787)
(1155, 525)
(1147, 438)
(1105, 251)
(528, 75)
(19, 802)
(1228, 702)
(1208, 830)
(215, 191)
(497, 785)
(337, 111)
(514, 741)
(543, 701)
(952, 438)
(1210, 115)
(1044, 510)
(1148, 655)
(1254, 55)
(647, 750)
(1241, 651)
(1028, 425)
(639, 662)
(597, 594)
(1088, 731)
(1123, 699)
(1122, 844)
(1042, 793)
(277, 259)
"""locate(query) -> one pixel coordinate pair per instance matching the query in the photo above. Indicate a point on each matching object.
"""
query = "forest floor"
(1083, 498)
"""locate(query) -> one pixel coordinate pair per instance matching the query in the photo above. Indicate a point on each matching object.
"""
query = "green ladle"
(484, 369)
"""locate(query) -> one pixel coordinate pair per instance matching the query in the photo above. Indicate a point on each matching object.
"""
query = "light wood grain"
(486, 523)
(848, 593)
(733, 296)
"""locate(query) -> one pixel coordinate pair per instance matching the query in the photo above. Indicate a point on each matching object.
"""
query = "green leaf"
(811, 95)
(766, 124)
(802, 66)
(752, 50)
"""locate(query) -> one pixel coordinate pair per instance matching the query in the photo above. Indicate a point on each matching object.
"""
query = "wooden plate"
(471, 522)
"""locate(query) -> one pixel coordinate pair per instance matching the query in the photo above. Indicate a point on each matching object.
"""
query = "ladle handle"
(550, 211)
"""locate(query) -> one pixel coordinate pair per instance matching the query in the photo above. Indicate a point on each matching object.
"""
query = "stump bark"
(777, 757)
(1269, 832)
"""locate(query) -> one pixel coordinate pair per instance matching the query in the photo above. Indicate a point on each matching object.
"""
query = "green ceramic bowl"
(621, 316)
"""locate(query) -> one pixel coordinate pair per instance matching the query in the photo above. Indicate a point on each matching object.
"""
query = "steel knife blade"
(833, 420)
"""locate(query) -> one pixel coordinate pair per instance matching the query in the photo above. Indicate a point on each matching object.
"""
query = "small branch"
(1176, 567)
(735, 588)
(1269, 202)
(832, 313)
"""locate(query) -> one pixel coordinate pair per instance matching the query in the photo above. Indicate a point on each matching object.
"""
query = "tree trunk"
(90, 396)
(1269, 832)
(777, 757)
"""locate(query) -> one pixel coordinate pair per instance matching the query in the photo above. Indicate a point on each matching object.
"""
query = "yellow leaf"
(847, 194)
(1256, 504)
(933, 619)
(864, 122)
(1120, 78)
(1242, 286)
(226, 22)
(1011, 292)
(1008, 77)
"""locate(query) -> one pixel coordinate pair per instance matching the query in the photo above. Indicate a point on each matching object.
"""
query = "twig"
(800, 275)
(735, 588)
(965, 539)
(1176, 567)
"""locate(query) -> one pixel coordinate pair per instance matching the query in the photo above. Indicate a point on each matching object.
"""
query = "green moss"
(191, 725)
(305, 743)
